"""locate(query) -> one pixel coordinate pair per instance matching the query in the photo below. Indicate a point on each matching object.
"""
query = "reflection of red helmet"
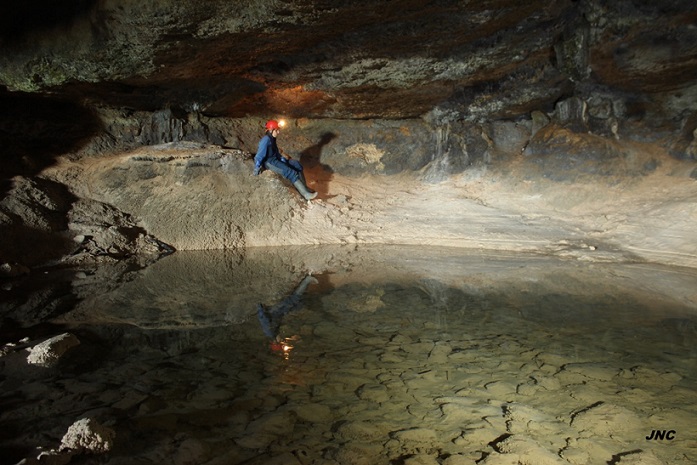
(276, 346)
(271, 125)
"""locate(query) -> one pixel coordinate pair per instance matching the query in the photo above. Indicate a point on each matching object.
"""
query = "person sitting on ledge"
(269, 157)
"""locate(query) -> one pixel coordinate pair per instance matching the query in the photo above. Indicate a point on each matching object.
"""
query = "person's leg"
(309, 279)
(266, 324)
(302, 177)
(295, 164)
(282, 169)
(303, 189)
(292, 175)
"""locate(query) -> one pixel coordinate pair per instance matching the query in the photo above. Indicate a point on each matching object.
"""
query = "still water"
(368, 355)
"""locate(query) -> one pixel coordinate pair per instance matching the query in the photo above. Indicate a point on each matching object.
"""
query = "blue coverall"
(268, 156)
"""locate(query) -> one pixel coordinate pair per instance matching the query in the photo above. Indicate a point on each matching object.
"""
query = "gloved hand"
(257, 170)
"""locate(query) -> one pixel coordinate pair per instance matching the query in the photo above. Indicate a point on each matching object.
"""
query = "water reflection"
(271, 318)
(399, 355)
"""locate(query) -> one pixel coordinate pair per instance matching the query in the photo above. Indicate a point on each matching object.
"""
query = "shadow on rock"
(33, 218)
(320, 173)
(18, 20)
(35, 130)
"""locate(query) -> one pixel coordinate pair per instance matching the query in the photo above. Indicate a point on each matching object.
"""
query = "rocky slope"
(203, 197)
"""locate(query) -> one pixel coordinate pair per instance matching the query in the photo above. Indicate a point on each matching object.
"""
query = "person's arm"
(261, 155)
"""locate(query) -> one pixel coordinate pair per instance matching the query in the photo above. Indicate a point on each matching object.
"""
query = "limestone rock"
(51, 350)
(88, 435)
(41, 220)
(32, 220)
(84, 436)
(104, 231)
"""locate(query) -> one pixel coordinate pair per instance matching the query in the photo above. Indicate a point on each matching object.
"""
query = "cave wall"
(353, 59)
(567, 88)
(632, 64)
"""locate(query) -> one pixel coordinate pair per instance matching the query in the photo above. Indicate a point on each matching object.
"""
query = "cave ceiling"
(349, 59)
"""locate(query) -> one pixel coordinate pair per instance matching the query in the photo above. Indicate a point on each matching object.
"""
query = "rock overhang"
(318, 59)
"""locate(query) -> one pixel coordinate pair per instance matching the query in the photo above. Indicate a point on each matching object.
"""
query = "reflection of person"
(268, 156)
(271, 318)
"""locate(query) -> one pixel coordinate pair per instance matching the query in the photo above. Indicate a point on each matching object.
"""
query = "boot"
(302, 177)
(302, 188)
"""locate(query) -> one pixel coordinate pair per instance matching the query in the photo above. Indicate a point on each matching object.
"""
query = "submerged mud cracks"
(385, 355)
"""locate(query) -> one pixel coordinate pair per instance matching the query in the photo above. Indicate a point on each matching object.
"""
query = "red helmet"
(272, 124)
